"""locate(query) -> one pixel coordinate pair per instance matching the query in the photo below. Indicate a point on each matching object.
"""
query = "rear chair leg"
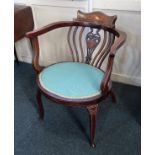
(40, 105)
(92, 115)
(112, 94)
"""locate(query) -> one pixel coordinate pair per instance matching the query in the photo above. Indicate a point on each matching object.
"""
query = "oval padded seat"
(72, 80)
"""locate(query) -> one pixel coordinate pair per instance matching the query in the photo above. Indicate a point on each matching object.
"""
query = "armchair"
(91, 38)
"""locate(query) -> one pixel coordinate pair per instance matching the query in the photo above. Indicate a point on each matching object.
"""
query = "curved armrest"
(118, 42)
(60, 24)
(48, 28)
(33, 35)
(105, 85)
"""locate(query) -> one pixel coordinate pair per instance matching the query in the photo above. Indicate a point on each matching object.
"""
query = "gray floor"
(65, 130)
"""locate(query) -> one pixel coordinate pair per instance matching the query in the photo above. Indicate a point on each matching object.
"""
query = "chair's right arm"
(105, 85)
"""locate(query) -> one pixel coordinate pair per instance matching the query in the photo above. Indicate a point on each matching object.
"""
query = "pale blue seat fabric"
(72, 80)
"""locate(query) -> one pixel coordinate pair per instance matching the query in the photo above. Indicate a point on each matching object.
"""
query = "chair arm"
(35, 45)
(118, 42)
(60, 24)
(105, 82)
(48, 28)
(33, 36)
(105, 88)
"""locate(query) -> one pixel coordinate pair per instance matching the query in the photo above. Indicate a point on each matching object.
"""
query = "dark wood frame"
(102, 21)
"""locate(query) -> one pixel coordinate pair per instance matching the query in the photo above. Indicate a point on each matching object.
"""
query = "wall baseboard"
(25, 59)
(115, 77)
(126, 79)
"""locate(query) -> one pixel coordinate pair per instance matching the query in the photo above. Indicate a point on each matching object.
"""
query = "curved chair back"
(92, 45)
(91, 36)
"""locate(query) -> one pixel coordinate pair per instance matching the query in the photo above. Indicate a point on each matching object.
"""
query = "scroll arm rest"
(106, 79)
(43, 30)
(33, 36)
(49, 27)
(35, 46)
(117, 44)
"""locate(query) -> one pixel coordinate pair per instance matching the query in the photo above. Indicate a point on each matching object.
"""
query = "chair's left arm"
(105, 85)
(33, 36)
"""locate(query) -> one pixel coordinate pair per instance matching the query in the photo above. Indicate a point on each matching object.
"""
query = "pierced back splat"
(92, 40)
(89, 44)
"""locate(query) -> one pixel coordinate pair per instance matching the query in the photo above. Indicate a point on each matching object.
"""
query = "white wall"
(127, 62)
(127, 66)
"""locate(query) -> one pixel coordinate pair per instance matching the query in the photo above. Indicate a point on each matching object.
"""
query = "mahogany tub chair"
(91, 38)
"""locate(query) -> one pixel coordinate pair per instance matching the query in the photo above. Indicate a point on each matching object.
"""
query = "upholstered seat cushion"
(72, 80)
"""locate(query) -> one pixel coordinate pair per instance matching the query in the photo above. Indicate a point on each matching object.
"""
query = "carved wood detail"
(113, 39)
(92, 40)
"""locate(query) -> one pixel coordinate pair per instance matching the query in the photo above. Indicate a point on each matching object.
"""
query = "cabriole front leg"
(92, 115)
